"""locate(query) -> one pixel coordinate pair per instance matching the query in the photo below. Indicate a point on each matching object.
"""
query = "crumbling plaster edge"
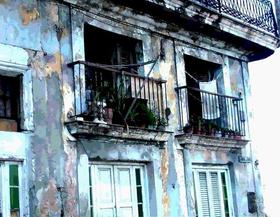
(199, 142)
(181, 35)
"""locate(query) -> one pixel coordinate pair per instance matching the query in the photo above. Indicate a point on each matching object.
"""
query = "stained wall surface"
(39, 38)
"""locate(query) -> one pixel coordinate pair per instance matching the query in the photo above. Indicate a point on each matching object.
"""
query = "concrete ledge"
(201, 142)
(92, 130)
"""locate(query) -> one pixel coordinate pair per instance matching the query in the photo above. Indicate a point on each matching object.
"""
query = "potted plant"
(145, 116)
(200, 126)
(210, 128)
(115, 104)
(189, 127)
(224, 132)
(161, 123)
(218, 132)
(237, 136)
(108, 116)
(95, 107)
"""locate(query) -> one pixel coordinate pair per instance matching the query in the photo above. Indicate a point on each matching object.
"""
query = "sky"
(265, 86)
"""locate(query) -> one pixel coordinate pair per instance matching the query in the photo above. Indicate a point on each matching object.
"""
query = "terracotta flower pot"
(108, 115)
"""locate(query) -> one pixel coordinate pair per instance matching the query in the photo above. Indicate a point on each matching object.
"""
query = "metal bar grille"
(107, 87)
(207, 111)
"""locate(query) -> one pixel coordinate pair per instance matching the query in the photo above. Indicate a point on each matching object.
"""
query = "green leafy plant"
(162, 122)
(145, 115)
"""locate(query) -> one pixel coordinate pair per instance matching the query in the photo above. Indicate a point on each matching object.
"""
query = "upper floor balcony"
(213, 114)
(248, 25)
(210, 119)
(110, 99)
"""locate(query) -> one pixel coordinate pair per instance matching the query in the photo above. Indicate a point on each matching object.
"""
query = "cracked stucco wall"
(51, 35)
(41, 29)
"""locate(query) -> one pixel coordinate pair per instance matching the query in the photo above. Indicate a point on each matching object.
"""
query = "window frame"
(116, 165)
(5, 188)
(196, 169)
(25, 102)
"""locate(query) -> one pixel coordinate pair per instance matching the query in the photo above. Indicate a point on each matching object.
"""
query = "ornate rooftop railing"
(255, 12)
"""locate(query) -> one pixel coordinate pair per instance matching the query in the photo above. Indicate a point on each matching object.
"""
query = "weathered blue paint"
(42, 37)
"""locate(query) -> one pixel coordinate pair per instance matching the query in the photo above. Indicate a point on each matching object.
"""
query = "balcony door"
(109, 48)
(197, 72)
(117, 190)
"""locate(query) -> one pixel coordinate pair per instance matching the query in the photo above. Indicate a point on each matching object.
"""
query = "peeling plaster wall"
(41, 28)
(18, 21)
(43, 36)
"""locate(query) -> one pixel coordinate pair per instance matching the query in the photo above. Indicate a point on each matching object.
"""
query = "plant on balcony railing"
(140, 114)
(113, 96)
(256, 12)
(199, 126)
(210, 114)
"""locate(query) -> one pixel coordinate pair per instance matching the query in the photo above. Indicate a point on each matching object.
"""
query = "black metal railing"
(112, 95)
(256, 12)
(208, 113)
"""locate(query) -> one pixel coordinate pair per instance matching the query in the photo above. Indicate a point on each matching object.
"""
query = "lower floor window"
(117, 190)
(212, 192)
(10, 190)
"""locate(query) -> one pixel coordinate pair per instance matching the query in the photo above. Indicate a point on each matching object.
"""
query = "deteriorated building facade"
(130, 108)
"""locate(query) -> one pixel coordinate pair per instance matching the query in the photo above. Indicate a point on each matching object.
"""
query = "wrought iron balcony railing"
(209, 113)
(111, 95)
(256, 12)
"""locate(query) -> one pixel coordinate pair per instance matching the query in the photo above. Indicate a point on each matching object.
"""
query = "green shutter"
(14, 186)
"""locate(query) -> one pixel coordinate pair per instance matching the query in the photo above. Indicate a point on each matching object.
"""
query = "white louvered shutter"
(204, 195)
(212, 192)
(216, 200)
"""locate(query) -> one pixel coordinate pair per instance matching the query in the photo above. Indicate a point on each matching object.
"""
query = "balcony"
(258, 13)
(248, 25)
(210, 121)
(114, 99)
(209, 114)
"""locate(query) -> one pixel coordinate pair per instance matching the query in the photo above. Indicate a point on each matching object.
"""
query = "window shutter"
(212, 192)
(125, 194)
(216, 201)
(104, 189)
(117, 191)
(204, 194)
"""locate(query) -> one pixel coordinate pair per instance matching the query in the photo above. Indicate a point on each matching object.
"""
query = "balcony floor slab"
(202, 142)
(90, 130)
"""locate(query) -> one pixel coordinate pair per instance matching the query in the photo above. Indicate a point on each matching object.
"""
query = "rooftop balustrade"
(258, 13)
